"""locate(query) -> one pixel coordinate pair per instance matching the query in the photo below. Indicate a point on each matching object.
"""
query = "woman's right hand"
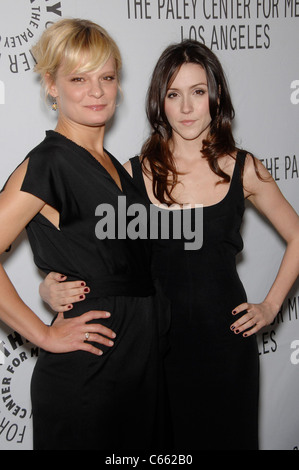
(69, 334)
(74, 334)
(61, 295)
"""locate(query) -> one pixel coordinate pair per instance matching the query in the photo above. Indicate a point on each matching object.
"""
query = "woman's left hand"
(256, 317)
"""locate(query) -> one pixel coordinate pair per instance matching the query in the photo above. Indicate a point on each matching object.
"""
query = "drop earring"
(54, 106)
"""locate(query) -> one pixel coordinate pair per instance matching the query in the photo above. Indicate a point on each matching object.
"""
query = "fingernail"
(82, 284)
(108, 314)
(237, 331)
(234, 311)
(86, 289)
(81, 297)
(111, 343)
(232, 328)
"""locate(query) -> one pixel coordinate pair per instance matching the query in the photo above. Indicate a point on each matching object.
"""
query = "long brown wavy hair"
(220, 140)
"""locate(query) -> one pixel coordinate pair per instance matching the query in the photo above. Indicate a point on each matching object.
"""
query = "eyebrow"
(192, 86)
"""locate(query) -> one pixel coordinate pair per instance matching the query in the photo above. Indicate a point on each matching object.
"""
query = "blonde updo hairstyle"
(77, 45)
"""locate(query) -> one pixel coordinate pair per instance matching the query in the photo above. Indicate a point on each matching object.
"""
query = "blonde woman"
(96, 382)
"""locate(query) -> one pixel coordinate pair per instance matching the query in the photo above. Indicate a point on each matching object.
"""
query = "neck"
(187, 149)
(90, 138)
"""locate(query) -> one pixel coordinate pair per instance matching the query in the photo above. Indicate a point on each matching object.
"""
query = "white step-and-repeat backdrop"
(257, 43)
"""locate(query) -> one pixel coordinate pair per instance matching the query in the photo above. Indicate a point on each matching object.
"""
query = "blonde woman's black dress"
(82, 401)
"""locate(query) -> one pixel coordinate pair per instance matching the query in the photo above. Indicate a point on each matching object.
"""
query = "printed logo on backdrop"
(269, 343)
(17, 359)
(21, 23)
(283, 168)
(220, 24)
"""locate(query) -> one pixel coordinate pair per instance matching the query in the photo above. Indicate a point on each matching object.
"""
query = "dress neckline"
(96, 162)
(211, 206)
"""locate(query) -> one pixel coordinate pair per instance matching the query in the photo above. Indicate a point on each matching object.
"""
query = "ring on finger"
(87, 336)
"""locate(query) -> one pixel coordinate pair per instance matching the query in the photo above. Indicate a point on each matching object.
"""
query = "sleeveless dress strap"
(236, 189)
(138, 175)
(241, 157)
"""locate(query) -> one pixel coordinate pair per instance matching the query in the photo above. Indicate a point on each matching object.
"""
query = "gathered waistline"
(120, 286)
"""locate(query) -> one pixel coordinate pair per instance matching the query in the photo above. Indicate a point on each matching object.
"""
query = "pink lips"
(187, 123)
(96, 107)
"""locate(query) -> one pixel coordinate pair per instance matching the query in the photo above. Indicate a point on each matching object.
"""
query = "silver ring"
(86, 336)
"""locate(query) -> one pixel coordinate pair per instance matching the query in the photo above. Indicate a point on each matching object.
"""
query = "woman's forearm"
(17, 315)
(286, 276)
(258, 316)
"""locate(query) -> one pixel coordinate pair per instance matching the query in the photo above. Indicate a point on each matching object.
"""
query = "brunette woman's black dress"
(212, 373)
(82, 401)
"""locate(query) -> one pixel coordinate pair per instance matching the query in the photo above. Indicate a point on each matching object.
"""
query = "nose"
(96, 90)
(186, 105)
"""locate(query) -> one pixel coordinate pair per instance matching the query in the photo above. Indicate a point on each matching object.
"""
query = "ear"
(50, 85)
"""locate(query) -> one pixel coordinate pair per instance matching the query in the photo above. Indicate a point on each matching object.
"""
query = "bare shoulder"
(255, 176)
(227, 163)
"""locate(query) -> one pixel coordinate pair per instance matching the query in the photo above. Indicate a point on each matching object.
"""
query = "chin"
(190, 137)
(95, 125)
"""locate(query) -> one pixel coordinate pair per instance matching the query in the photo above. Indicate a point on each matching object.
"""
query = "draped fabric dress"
(212, 373)
(82, 401)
